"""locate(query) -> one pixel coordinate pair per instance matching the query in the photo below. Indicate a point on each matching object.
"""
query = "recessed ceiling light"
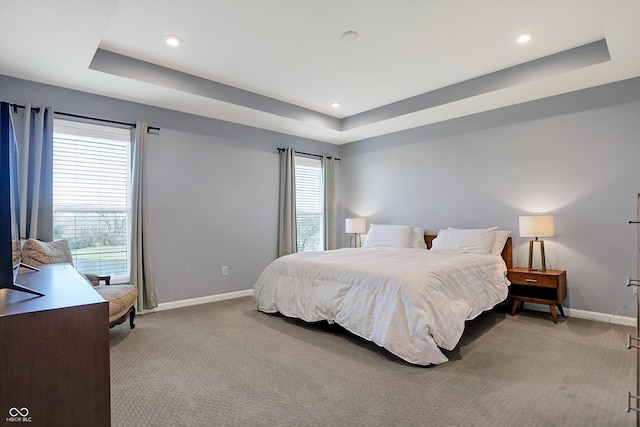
(523, 38)
(336, 104)
(349, 35)
(172, 40)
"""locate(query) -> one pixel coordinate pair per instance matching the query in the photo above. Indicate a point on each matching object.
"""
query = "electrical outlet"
(225, 271)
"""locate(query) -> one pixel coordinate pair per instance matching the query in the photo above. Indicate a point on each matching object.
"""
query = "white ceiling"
(292, 51)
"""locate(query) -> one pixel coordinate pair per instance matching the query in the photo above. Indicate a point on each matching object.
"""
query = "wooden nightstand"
(541, 287)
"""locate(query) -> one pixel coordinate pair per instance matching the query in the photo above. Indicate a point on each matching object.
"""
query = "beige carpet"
(225, 364)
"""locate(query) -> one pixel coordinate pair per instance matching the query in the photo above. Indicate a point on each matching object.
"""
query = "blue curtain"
(35, 142)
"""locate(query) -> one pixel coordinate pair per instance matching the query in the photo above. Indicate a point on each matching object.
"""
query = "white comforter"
(409, 301)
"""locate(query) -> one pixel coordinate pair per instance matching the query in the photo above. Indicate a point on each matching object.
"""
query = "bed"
(412, 301)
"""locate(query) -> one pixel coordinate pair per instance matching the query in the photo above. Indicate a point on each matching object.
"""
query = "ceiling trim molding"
(136, 69)
(561, 62)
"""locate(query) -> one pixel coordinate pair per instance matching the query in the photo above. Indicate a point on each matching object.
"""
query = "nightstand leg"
(560, 308)
(554, 316)
(514, 307)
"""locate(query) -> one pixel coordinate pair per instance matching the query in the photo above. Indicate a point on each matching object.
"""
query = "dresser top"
(61, 285)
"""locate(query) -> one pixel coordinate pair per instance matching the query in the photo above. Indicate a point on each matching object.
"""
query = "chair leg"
(132, 315)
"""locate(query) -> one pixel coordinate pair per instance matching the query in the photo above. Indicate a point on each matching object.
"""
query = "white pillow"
(473, 229)
(477, 241)
(501, 240)
(394, 236)
(498, 243)
(417, 238)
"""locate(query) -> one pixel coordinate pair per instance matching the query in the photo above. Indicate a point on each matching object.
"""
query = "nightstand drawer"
(533, 279)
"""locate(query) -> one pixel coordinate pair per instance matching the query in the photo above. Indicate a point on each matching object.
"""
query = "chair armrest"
(97, 280)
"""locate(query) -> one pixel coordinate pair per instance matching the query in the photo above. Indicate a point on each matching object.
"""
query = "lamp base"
(355, 241)
(543, 265)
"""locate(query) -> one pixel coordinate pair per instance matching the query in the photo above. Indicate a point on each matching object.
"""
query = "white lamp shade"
(355, 225)
(537, 226)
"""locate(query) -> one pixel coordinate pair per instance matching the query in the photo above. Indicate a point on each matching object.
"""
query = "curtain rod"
(78, 116)
(280, 150)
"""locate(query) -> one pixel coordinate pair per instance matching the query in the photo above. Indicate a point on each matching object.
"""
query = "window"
(91, 202)
(309, 206)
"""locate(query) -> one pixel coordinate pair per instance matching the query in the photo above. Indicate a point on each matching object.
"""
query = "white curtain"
(330, 222)
(35, 144)
(140, 259)
(287, 235)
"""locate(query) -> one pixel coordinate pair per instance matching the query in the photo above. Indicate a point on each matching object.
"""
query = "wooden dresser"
(54, 351)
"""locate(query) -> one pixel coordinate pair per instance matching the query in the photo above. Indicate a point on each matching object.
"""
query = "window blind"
(91, 207)
(309, 220)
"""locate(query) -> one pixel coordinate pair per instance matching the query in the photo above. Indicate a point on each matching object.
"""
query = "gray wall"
(213, 189)
(213, 185)
(573, 156)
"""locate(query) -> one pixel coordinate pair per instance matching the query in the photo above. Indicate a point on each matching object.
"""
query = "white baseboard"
(601, 317)
(201, 300)
(571, 312)
(588, 315)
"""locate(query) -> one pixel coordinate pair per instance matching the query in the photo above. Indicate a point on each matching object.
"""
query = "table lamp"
(537, 226)
(355, 227)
